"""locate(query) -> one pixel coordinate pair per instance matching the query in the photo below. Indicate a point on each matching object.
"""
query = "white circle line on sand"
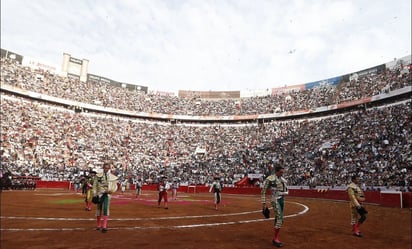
(305, 209)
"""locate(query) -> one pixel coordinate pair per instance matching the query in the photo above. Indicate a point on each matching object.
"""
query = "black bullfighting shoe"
(358, 234)
(277, 244)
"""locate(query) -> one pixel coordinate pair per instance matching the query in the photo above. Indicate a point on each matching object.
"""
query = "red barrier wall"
(52, 184)
(407, 199)
(376, 197)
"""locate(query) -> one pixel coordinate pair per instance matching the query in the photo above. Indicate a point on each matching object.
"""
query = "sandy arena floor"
(50, 218)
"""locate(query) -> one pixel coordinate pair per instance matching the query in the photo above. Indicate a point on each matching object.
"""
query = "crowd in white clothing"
(56, 143)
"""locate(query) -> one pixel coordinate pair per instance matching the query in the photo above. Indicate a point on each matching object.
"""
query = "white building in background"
(75, 67)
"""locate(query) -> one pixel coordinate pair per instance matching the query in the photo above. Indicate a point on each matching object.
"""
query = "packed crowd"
(55, 143)
(59, 144)
(121, 98)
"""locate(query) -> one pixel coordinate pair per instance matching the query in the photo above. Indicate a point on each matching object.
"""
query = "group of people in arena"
(115, 97)
(16, 182)
(55, 143)
(369, 146)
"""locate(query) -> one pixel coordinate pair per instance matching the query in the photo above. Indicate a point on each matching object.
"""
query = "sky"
(210, 45)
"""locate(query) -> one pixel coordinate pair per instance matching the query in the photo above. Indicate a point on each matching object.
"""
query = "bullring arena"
(55, 218)
(323, 132)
